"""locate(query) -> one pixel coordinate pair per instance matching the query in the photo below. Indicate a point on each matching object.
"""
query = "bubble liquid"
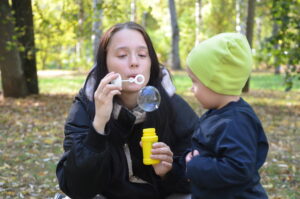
(149, 137)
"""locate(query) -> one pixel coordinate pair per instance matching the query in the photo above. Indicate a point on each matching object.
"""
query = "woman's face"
(127, 54)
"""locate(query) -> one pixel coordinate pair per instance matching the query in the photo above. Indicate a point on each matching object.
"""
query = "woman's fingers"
(161, 148)
(103, 99)
(161, 151)
(105, 85)
(105, 89)
(166, 158)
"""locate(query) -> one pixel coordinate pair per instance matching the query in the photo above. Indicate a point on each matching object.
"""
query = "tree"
(79, 43)
(198, 6)
(133, 10)
(175, 37)
(249, 31)
(12, 75)
(24, 26)
(240, 25)
(286, 38)
(97, 25)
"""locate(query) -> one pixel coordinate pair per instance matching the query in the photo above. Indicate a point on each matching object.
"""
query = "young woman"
(104, 127)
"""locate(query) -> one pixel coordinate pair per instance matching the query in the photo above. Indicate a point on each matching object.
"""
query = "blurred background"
(47, 48)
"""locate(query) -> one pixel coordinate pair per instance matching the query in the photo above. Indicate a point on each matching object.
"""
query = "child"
(229, 145)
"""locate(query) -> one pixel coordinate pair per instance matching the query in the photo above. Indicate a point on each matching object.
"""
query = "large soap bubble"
(148, 98)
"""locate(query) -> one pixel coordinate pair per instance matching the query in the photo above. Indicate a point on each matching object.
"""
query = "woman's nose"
(133, 61)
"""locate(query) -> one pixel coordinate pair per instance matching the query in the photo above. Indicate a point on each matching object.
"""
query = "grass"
(32, 133)
(59, 82)
(258, 81)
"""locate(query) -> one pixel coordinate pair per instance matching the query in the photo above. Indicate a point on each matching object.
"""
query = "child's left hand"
(190, 155)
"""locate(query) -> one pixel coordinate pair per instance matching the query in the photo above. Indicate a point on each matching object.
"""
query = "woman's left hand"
(162, 152)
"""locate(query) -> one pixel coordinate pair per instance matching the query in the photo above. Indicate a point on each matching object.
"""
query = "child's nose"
(192, 89)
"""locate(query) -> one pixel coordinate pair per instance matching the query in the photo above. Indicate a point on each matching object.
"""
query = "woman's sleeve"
(184, 123)
(84, 168)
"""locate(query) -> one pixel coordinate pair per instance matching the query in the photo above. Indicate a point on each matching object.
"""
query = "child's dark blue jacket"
(232, 146)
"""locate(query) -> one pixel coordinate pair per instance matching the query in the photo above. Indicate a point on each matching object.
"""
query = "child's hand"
(190, 155)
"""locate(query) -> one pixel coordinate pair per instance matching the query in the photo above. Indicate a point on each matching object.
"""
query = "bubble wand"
(139, 79)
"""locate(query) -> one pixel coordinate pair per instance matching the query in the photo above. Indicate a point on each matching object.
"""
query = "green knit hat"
(222, 63)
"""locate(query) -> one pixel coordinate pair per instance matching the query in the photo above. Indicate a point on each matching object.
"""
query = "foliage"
(59, 34)
(32, 134)
(285, 41)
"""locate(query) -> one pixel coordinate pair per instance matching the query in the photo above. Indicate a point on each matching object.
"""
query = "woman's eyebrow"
(125, 47)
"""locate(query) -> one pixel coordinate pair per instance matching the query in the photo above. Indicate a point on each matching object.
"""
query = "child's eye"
(142, 55)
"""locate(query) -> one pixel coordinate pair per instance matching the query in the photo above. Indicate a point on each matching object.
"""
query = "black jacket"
(97, 164)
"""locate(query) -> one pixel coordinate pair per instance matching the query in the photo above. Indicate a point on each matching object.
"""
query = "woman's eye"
(142, 55)
(122, 56)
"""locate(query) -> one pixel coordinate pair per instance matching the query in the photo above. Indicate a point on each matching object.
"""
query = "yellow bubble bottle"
(149, 137)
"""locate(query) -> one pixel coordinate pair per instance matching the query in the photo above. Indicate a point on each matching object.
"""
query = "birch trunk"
(175, 64)
(97, 25)
(133, 10)
(198, 17)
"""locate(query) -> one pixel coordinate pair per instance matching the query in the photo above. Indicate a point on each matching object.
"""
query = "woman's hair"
(161, 117)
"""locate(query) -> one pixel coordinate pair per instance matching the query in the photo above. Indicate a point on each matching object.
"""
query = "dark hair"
(161, 117)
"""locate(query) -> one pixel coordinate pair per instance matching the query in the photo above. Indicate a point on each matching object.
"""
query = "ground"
(31, 137)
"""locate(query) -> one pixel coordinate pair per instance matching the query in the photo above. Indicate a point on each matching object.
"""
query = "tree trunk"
(133, 10)
(238, 27)
(13, 81)
(198, 6)
(249, 31)
(275, 30)
(24, 24)
(97, 25)
(259, 26)
(79, 43)
(175, 37)
(144, 19)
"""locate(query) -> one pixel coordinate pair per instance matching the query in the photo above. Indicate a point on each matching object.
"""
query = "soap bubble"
(148, 99)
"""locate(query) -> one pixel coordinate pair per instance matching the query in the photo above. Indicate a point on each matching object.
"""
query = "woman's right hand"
(103, 98)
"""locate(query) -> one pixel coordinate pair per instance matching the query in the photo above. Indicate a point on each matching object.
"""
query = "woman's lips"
(132, 76)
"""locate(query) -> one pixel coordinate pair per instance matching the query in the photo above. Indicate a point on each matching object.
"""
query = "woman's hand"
(103, 97)
(162, 152)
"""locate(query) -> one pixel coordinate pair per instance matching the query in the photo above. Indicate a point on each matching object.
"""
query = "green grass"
(61, 84)
(258, 81)
(71, 82)
(269, 81)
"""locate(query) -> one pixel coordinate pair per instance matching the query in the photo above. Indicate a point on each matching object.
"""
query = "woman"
(104, 127)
